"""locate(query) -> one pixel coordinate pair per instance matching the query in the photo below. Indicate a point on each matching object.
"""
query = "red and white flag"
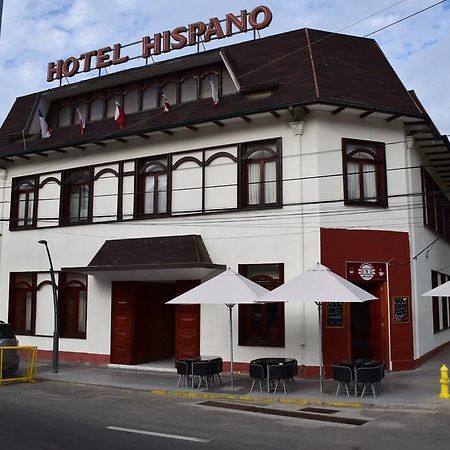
(119, 116)
(46, 132)
(82, 121)
(166, 102)
(214, 93)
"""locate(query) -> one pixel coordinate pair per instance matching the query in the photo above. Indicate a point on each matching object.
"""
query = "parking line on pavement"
(153, 433)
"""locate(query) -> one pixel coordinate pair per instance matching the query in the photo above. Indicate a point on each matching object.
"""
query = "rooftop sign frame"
(163, 42)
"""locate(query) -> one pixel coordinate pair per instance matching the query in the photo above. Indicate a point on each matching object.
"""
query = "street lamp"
(55, 311)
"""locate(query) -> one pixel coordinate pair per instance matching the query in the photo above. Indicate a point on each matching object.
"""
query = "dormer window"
(96, 110)
(149, 98)
(141, 96)
(188, 89)
(65, 116)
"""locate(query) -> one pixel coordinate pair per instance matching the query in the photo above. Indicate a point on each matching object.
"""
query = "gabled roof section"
(19, 117)
(294, 69)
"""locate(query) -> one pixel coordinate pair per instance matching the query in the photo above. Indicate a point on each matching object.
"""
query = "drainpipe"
(297, 128)
(409, 147)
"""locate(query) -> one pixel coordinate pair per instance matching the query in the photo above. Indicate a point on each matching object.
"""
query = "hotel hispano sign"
(163, 42)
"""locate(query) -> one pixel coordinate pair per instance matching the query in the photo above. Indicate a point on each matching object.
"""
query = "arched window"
(23, 208)
(82, 107)
(73, 305)
(22, 302)
(149, 98)
(65, 116)
(170, 91)
(188, 88)
(96, 110)
(152, 187)
(261, 174)
(131, 101)
(111, 105)
(77, 192)
(364, 173)
(205, 85)
(262, 324)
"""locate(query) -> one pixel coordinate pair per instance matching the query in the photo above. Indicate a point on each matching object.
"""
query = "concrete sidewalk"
(416, 389)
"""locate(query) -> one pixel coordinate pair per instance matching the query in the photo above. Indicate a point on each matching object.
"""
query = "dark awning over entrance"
(166, 258)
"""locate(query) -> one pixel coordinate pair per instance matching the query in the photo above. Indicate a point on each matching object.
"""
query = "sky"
(35, 32)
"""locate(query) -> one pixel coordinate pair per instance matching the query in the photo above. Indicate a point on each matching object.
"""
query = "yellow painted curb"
(251, 398)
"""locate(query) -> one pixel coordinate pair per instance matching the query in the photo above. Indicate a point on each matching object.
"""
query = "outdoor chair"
(184, 372)
(257, 374)
(204, 371)
(219, 369)
(344, 375)
(369, 376)
(280, 373)
(293, 372)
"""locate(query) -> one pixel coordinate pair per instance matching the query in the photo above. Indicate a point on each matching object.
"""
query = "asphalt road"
(52, 415)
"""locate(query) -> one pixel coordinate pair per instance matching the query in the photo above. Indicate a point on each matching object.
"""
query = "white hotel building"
(316, 152)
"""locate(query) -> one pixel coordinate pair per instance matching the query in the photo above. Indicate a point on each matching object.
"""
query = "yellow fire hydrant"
(444, 382)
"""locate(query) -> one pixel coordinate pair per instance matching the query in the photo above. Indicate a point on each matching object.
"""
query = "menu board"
(335, 314)
(401, 309)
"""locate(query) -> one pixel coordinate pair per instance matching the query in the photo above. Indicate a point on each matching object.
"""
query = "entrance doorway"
(142, 325)
(367, 325)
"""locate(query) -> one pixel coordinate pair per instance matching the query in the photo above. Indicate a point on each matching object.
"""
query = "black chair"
(257, 374)
(293, 372)
(183, 369)
(344, 375)
(219, 369)
(204, 371)
(369, 376)
(280, 373)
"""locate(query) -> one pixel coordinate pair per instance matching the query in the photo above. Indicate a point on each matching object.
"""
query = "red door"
(122, 316)
(187, 325)
(187, 335)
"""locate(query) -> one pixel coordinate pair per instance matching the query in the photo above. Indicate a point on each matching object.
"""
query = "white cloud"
(35, 32)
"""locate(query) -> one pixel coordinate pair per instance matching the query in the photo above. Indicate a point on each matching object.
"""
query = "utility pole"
(55, 353)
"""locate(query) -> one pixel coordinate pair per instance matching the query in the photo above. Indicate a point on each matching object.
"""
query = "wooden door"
(122, 323)
(379, 321)
(187, 334)
(187, 324)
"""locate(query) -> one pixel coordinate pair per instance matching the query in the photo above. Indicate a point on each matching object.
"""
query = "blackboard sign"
(401, 309)
(335, 314)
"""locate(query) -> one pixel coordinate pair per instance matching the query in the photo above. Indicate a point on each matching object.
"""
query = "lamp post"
(55, 311)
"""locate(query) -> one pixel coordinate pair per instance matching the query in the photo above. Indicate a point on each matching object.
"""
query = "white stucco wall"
(312, 174)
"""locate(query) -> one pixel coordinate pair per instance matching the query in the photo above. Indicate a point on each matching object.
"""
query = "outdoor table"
(355, 364)
(190, 362)
(266, 362)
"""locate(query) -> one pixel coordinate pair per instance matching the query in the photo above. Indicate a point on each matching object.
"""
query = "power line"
(405, 18)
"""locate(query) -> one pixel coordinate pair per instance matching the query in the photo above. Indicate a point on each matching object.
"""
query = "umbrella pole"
(319, 306)
(230, 309)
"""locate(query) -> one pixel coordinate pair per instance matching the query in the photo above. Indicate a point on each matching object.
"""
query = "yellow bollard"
(444, 382)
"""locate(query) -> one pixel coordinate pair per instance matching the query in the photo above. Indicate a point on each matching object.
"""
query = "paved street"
(52, 415)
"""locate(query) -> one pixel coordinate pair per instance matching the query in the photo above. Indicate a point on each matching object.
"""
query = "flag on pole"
(46, 132)
(214, 93)
(82, 121)
(166, 102)
(119, 116)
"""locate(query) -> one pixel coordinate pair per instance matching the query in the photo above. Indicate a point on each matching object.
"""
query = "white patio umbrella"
(228, 288)
(318, 285)
(441, 291)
